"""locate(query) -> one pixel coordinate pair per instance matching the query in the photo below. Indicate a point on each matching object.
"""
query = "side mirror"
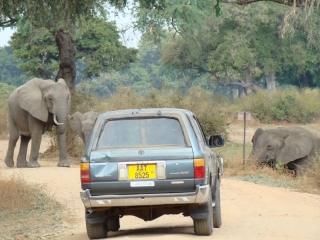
(216, 141)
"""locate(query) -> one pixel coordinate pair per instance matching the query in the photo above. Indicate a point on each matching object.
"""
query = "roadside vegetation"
(216, 112)
(28, 211)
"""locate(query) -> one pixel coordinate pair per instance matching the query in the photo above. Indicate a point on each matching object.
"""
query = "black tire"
(217, 222)
(96, 231)
(113, 224)
(204, 227)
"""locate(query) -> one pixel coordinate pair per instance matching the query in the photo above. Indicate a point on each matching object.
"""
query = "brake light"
(198, 165)
(85, 172)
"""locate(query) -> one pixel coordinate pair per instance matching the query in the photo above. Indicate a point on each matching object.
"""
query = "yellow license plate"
(142, 171)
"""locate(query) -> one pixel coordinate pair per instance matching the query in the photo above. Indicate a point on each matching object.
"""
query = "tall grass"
(311, 181)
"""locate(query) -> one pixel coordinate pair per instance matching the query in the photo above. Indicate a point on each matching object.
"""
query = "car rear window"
(122, 133)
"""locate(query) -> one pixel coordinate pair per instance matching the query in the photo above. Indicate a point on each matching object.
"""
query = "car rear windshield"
(122, 133)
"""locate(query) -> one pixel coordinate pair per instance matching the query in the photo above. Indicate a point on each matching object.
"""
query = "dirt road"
(249, 211)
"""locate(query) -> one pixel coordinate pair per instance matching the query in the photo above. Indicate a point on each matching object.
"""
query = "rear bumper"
(199, 196)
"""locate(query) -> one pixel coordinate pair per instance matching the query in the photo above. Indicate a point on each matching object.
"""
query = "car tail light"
(198, 165)
(85, 172)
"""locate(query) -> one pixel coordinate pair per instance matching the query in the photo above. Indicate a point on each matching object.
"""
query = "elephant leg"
(63, 156)
(36, 137)
(14, 136)
(22, 157)
(301, 166)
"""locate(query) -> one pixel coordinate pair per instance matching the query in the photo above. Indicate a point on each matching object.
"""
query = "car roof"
(149, 111)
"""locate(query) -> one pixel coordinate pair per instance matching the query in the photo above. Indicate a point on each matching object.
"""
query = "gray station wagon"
(147, 163)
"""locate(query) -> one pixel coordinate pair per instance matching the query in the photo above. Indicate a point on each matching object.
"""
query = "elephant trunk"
(86, 132)
(260, 156)
(62, 127)
(254, 154)
(60, 119)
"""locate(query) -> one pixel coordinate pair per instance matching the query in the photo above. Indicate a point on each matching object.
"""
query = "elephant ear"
(296, 145)
(75, 123)
(62, 81)
(256, 135)
(30, 98)
(96, 115)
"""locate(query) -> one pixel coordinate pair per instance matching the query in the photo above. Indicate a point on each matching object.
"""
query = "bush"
(5, 90)
(288, 105)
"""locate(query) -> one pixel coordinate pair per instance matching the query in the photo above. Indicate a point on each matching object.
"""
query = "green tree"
(147, 73)
(60, 18)
(98, 50)
(10, 73)
(243, 44)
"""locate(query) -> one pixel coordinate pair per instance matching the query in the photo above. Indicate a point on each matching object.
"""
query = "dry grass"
(311, 181)
(27, 211)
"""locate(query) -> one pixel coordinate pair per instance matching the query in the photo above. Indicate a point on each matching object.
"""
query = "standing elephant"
(83, 123)
(33, 109)
(292, 146)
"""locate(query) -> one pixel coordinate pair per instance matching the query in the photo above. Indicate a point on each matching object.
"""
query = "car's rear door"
(142, 155)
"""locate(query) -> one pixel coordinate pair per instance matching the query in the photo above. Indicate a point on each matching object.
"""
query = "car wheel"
(205, 226)
(217, 222)
(97, 230)
(113, 224)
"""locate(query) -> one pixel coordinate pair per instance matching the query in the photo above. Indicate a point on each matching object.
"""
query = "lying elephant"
(82, 123)
(292, 146)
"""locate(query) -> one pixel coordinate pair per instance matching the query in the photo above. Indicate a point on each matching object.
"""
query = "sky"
(5, 35)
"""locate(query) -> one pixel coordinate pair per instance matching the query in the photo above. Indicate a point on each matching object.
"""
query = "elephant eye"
(269, 146)
(50, 98)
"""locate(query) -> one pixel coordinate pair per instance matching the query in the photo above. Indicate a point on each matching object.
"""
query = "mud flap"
(96, 217)
(199, 211)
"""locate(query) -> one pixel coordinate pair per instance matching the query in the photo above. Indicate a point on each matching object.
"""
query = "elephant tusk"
(55, 120)
(70, 117)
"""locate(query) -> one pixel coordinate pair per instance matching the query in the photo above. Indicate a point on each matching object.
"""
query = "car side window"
(201, 130)
(197, 128)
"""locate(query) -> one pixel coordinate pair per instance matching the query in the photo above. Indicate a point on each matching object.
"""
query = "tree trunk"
(270, 81)
(67, 66)
(240, 91)
(249, 82)
(305, 81)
